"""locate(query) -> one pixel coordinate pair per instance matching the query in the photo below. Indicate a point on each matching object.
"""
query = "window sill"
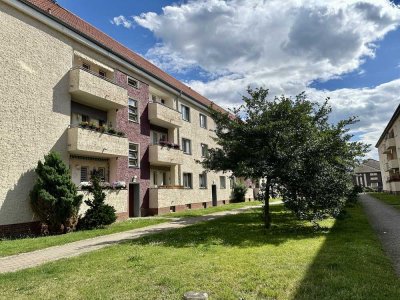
(134, 167)
(136, 122)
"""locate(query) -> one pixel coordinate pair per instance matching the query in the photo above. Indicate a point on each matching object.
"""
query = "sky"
(348, 50)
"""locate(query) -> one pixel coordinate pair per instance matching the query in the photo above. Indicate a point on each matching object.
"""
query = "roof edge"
(389, 125)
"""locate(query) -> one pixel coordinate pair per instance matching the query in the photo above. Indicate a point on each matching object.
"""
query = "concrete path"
(385, 220)
(31, 259)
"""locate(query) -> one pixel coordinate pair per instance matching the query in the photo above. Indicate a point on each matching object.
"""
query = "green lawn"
(15, 246)
(231, 258)
(388, 198)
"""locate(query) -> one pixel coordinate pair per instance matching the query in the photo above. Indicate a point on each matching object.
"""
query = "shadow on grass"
(350, 264)
(242, 230)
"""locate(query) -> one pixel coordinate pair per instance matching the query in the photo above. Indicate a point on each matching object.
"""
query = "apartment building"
(388, 147)
(68, 87)
(368, 174)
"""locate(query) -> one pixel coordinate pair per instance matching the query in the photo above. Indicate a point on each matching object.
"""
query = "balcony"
(390, 143)
(86, 142)
(393, 164)
(393, 178)
(165, 156)
(91, 89)
(164, 116)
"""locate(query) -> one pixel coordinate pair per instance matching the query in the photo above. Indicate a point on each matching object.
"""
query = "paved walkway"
(31, 259)
(385, 220)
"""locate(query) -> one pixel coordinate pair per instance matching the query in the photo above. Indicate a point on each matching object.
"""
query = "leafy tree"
(54, 197)
(289, 143)
(99, 213)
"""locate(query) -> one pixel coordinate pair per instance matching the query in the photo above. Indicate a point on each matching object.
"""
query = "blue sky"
(346, 50)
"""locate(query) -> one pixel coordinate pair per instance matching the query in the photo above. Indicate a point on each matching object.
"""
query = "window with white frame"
(185, 112)
(133, 82)
(186, 146)
(133, 110)
(158, 137)
(187, 180)
(203, 121)
(102, 173)
(84, 174)
(203, 181)
(204, 150)
(133, 155)
(222, 182)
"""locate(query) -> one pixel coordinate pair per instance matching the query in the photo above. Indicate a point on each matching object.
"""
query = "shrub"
(352, 194)
(239, 192)
(99, 214)
(54, 197)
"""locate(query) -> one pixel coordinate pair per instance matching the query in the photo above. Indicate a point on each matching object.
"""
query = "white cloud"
(122, 20)
(280, 46)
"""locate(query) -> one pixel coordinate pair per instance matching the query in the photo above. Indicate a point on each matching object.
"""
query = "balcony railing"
(163, 155)
(95, 90)
(164, 116)
(86, 141)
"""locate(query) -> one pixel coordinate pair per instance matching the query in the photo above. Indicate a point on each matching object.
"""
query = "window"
(84, 174)
(153, 98)
(187, 180)
(164, 178)
(203, 181)
(133, 155)
(102, 173)
(232, 182)
(155, 178)
(222, 182)
(185, 113)
(203, 121)
(133, 110)
(85, 118)
(133, 82)
(158, 137)
(186, 146)
(102, 73)
(204, 150)
(86, 66)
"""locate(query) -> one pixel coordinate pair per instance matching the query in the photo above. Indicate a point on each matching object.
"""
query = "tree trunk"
(267, 215)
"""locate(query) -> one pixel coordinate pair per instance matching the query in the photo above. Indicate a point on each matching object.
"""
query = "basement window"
(172, 208)
(86, 66)
(102, 73)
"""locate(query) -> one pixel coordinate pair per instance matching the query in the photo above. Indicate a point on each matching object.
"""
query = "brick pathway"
(31, 259)
(385, 220)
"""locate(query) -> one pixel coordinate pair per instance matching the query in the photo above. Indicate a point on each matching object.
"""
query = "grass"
(388, 198)
(28, 244)
(232, 257)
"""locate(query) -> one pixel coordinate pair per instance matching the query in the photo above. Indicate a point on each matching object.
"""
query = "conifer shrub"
(99, 213)
(54, 197)
(239, 192)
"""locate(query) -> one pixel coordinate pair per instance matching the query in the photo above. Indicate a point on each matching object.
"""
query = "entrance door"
(214, 194)
(134, 200)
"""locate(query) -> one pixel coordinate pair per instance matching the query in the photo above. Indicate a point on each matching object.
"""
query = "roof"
(67, 18)
(368, 166)
(389, 125)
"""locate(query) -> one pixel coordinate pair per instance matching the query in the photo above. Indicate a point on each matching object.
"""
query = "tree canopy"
(291, 144)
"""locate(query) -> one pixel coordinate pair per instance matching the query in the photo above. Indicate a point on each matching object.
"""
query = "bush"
(239, 192)
(99, 214)
(54, 197)
(352, 195)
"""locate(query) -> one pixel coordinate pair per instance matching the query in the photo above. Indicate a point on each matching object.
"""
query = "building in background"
(388, 148)
(368, 174)
(68, 87)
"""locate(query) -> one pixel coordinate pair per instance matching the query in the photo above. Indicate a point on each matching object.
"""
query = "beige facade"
(388, 149)
(35, 89)
(48, 70)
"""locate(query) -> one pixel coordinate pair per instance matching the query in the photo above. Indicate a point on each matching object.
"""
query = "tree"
(99, 213)
(289, 143)
(54, 197)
